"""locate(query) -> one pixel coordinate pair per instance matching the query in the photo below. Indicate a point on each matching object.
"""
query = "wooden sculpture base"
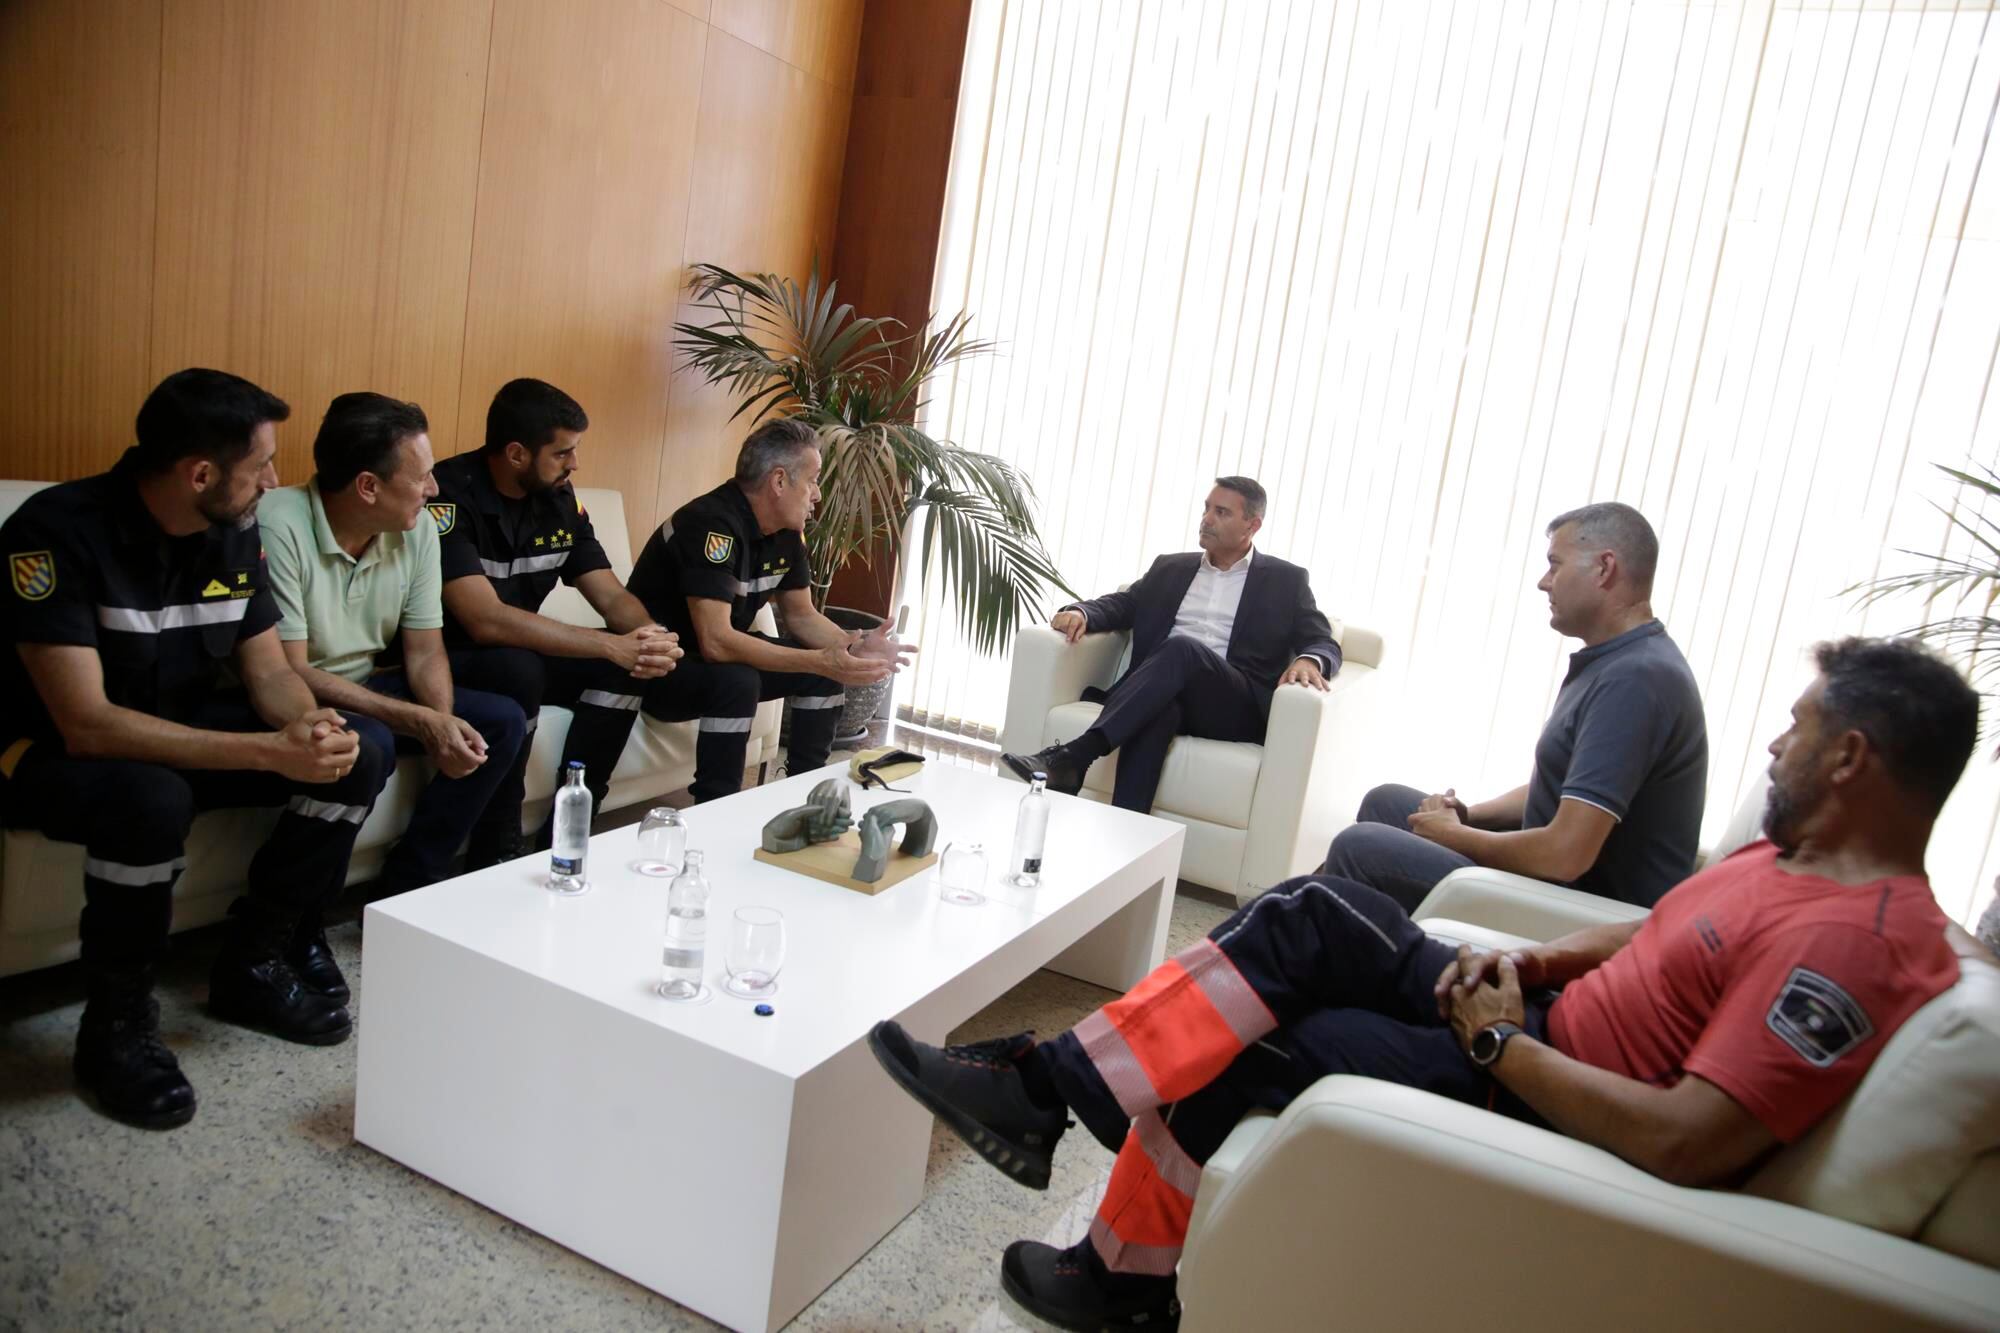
(834, 863)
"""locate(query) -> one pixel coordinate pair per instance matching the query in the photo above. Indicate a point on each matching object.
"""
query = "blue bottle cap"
(765, 1011)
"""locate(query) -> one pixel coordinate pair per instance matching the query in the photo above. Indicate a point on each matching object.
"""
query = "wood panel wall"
(892, 190)
(422, 197)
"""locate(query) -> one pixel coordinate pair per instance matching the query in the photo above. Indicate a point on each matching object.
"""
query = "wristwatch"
(1489, 1041)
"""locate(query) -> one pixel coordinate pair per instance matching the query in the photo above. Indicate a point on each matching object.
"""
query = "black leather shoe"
(312, 958)
(1063, 770)
(267, 995)
(121, 1061)
(979, 1092)
(1072, 1289)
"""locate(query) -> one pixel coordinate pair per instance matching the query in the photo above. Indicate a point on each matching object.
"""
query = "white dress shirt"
(1208, 612)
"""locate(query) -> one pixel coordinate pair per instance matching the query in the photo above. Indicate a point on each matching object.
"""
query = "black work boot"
(979, 1092)
(312, 958)
(253, 986)
(120, 1060)
(1073, 1289)
(1064, 770)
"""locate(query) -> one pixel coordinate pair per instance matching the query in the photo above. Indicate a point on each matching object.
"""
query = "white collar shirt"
(1208, 612)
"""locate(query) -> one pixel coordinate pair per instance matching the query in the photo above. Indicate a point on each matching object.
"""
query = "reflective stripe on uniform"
(726, 724)
(185, 616)
(527, 564)
(627, 703)
(819, 700)
(331, 811)
(117, 872)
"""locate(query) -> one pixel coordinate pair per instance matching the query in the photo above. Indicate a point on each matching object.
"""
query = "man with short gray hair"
(1621, 771)
(706, 573)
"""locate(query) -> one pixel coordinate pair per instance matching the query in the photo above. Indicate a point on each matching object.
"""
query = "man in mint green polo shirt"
(352, 558)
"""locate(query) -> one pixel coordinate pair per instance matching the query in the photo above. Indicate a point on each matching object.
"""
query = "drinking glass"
(962, 874)
(755, 952)
(663, 838)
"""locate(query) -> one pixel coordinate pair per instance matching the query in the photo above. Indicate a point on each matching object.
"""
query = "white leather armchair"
(1255, 814)
(1372, 1206)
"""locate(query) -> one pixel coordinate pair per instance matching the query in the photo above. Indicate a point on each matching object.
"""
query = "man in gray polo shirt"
(1621, 770)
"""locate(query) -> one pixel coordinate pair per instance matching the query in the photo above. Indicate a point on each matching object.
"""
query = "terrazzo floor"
(264, 1213)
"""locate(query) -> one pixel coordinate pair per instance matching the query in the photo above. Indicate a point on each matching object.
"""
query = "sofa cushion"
(1927, 1108)
(1213, 781)
(1967, 1223)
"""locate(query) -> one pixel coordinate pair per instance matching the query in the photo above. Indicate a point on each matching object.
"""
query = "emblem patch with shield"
(719, 547)
(34, 574)
(445, 516)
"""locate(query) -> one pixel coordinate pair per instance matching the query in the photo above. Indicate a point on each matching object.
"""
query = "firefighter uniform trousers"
(1318, 976)
(603, 701)
(133, 820)
(725, 695)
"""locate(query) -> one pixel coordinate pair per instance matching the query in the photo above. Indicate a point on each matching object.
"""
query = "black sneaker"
(1063, 770)
(978, 1091)
(121, 1061)
(1072, 1289)
(312, 958)
(267, 995)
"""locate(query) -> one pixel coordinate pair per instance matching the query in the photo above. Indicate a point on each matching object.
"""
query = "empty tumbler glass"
(663, 840)
(962, 874)
(755, 952)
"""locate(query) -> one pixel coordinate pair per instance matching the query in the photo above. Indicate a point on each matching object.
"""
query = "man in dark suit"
(1214, 633)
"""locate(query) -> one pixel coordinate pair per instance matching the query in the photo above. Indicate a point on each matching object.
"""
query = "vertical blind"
(1435, 272)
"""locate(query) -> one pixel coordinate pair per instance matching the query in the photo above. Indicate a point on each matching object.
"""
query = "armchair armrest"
(1311, 754)
(1048, 671)
(1370, 1205)
(1519, 905)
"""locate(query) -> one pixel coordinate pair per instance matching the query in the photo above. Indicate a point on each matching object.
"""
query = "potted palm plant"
(796, 351)
(1970, 584)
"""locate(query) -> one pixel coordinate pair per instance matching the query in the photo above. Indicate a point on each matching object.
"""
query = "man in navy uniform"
(1215, 632)
(129, 594)
(510, 528)
(707, 572)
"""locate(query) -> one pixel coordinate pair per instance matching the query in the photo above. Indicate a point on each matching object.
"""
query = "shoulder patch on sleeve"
(1817, 1019)
(34, 574)
(445, 516)
(718, 547)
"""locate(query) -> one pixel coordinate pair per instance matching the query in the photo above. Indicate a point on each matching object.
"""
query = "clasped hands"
(1480, 988)
(1439, 812)
(646, 653)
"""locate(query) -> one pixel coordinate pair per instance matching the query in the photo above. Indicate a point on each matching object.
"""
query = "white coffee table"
(513, 1048)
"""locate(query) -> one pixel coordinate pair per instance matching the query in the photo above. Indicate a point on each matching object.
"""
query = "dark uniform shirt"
(712, 548)
(1628, 736)
(88, 567)
(523, 546)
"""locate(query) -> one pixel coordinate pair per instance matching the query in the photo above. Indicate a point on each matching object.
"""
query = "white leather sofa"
(1255, 814)
(1368, 1205)
(41, 882)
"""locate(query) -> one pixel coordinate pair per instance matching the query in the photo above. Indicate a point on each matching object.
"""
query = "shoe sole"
(171, 1120)
(332, 1037)
(1022, 1165)
(1077, 1323)
(1024, 771)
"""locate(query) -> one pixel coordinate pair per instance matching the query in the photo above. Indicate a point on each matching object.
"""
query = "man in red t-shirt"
(1747, 1005)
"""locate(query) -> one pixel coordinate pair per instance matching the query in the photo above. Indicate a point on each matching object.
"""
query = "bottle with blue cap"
(572, 833)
